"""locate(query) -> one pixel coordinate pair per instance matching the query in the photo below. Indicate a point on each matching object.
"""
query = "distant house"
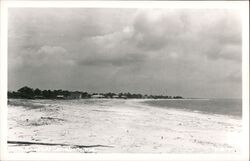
(115, 96)
(60, 97)
(121, 96)
(74, 95)
(124, 97)
(97, 96)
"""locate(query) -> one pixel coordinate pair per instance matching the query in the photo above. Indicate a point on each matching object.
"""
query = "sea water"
(232, 107)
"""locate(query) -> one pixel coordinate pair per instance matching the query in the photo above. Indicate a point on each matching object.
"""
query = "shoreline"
(143, 103)
(150, 104)
(127, 125)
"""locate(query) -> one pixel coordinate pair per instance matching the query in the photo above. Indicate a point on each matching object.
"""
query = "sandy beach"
(120, 126)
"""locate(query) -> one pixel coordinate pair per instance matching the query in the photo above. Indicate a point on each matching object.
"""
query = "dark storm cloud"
(143, 50)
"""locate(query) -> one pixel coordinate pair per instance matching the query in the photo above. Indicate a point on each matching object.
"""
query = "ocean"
(232, 107)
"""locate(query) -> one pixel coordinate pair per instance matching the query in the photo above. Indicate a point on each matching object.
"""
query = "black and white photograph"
(124, 80)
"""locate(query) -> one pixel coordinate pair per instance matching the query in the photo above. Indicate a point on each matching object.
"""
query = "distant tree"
(45, 93)
(37, 92)
(65, 93)
(26, 92)
(139, 95)
(29, 93)
(177, 97)
(50, 94)
(10, 94)
(109, 95)
(85, 95)
(128, 95)
(120, 95)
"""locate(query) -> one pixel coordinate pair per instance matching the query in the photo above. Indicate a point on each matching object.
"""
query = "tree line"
(30, 93)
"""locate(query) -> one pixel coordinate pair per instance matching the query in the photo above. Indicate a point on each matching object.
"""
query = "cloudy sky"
(193, 53)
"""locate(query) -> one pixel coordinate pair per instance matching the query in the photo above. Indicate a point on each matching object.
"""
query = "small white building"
(124, 97)
(115, 96)
(60, 97)
(97, 96)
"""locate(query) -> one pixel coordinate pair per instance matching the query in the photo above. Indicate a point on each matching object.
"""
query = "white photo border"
(241, 6)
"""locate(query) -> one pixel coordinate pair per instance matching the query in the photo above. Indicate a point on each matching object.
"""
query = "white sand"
(127, 125)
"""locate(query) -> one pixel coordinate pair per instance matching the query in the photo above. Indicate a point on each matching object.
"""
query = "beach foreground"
(117, 126)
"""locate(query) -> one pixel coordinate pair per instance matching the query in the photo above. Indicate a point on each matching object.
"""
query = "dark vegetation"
(30, 93)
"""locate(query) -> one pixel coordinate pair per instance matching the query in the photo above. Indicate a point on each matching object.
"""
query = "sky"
(187, 52)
